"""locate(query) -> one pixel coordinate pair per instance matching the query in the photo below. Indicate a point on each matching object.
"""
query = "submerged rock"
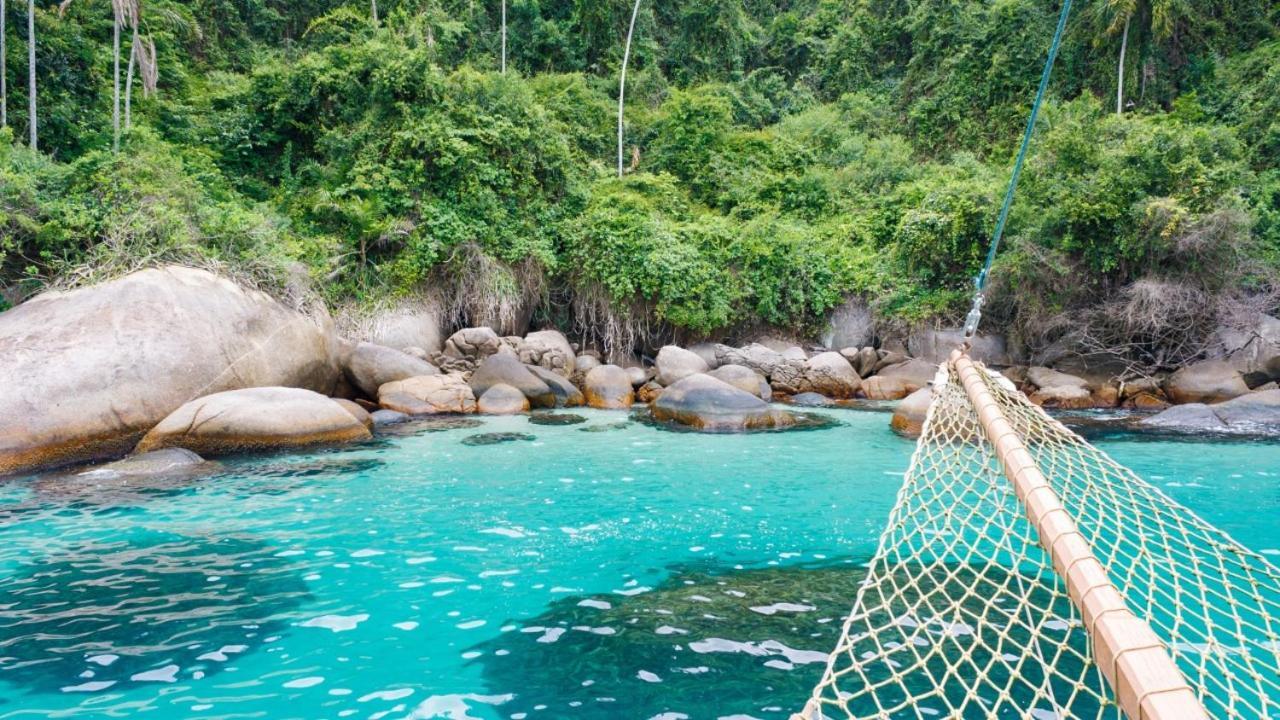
(168, 461)
(497, 438)
(86, 373)
(546, 418)
(372, 366)
(255, 419)
(812, 399)
(705, 403)
(428, 395)
(383, 418)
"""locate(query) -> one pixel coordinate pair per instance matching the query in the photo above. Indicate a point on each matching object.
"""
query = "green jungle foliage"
(781, 156)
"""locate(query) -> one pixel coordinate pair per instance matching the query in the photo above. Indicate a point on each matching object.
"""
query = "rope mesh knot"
(966, 613)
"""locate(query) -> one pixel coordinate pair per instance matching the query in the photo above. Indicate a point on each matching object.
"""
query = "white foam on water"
(166, 674)
(336, 623)
(668, 630)
(455, 707)
(505, 532)
(648, 677)
(367, 552)
(471, 624)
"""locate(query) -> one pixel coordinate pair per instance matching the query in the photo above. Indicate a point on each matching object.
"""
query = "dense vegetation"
(782, 157)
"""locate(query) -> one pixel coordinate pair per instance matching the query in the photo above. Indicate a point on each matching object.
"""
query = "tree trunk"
(373, 10)
(115, 89)
(1124, 46)
(504, 37)
(31, 73)
(128, 83)
(622, 80)
(4, 71)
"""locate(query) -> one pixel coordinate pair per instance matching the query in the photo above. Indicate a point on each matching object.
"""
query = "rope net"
(962, 614)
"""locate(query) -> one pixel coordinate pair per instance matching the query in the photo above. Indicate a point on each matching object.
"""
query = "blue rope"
(980, 282)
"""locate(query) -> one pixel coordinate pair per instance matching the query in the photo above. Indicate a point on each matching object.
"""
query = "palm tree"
(143, 54)
(123, 11)
(504, 37)
(1164, 16)
(373, 11)
(622, 80)
(31, 73)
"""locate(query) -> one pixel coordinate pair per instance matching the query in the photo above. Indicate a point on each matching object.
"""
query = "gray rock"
(1256, 412)
(743, 378)
(879, 387)
(505, 368)
(794, 352)
(253, 419)
(850, 325)
(705, 403)
(755, 356)
(585, 363)
(788, 377)
(812, 399)
(85, 374)
(888, 358)
(608, 387)
(415, 322)
(168, 461)
(675, 364)
(476, 343)
(502, 399)
(830, 374)
(567, 394)
(1252, 349)
(706, 351)
(360, 414)
(372, 366)
(1043, 377)
(638, 375)
(549, 349)
(936, 345)
(428, 395)
(1209, 381)
(864, 361)
(384, 417)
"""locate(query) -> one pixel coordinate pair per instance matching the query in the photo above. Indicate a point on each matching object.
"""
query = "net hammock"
(964, 615)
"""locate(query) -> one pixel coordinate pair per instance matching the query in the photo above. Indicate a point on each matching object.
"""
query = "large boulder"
(1252, 348)
(84, 374)
(1256, 412)
(675, 364)
(169, 461)
(788, 377)
(705, 403)
(502, 399)
(475, 343)
(755, 356)
(1209, 381)
(914, 373)
(415, 322)
(744, 378)
(706, 351)
(372, 366)
(549, 349)
(851, 325)
(265, 418)
(879, 387)
(908, 416)
(936, 345)
(863, 360)
(506, 369)
(1058, 390)
(428, 395)
(830, 374)
(608, 387)
(566, 393)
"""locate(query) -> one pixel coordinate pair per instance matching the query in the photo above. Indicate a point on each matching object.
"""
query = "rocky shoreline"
(174, 358)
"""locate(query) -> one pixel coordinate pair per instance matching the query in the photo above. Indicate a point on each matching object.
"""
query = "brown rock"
(608, 387)
(913, 373)
(908, 416)
(255, 419)
(476, 343)
(428, 395)
(705, 403)
(830, 374)
(505, 368)
(648, 392)
(372, 366)
(357, 411)
(743, 378)
(1209, 381)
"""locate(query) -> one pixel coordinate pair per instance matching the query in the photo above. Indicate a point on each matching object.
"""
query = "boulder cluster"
(175, 357)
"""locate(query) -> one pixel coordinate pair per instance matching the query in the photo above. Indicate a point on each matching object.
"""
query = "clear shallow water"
(593, 571)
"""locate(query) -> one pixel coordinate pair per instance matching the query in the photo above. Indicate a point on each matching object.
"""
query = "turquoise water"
(606, 569)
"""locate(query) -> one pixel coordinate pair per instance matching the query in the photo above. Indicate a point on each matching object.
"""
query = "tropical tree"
(622, 79)
(123, 11)
(1163, 15)
(31, 74)
(504, 37)
(142, 54)
(4, 71)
